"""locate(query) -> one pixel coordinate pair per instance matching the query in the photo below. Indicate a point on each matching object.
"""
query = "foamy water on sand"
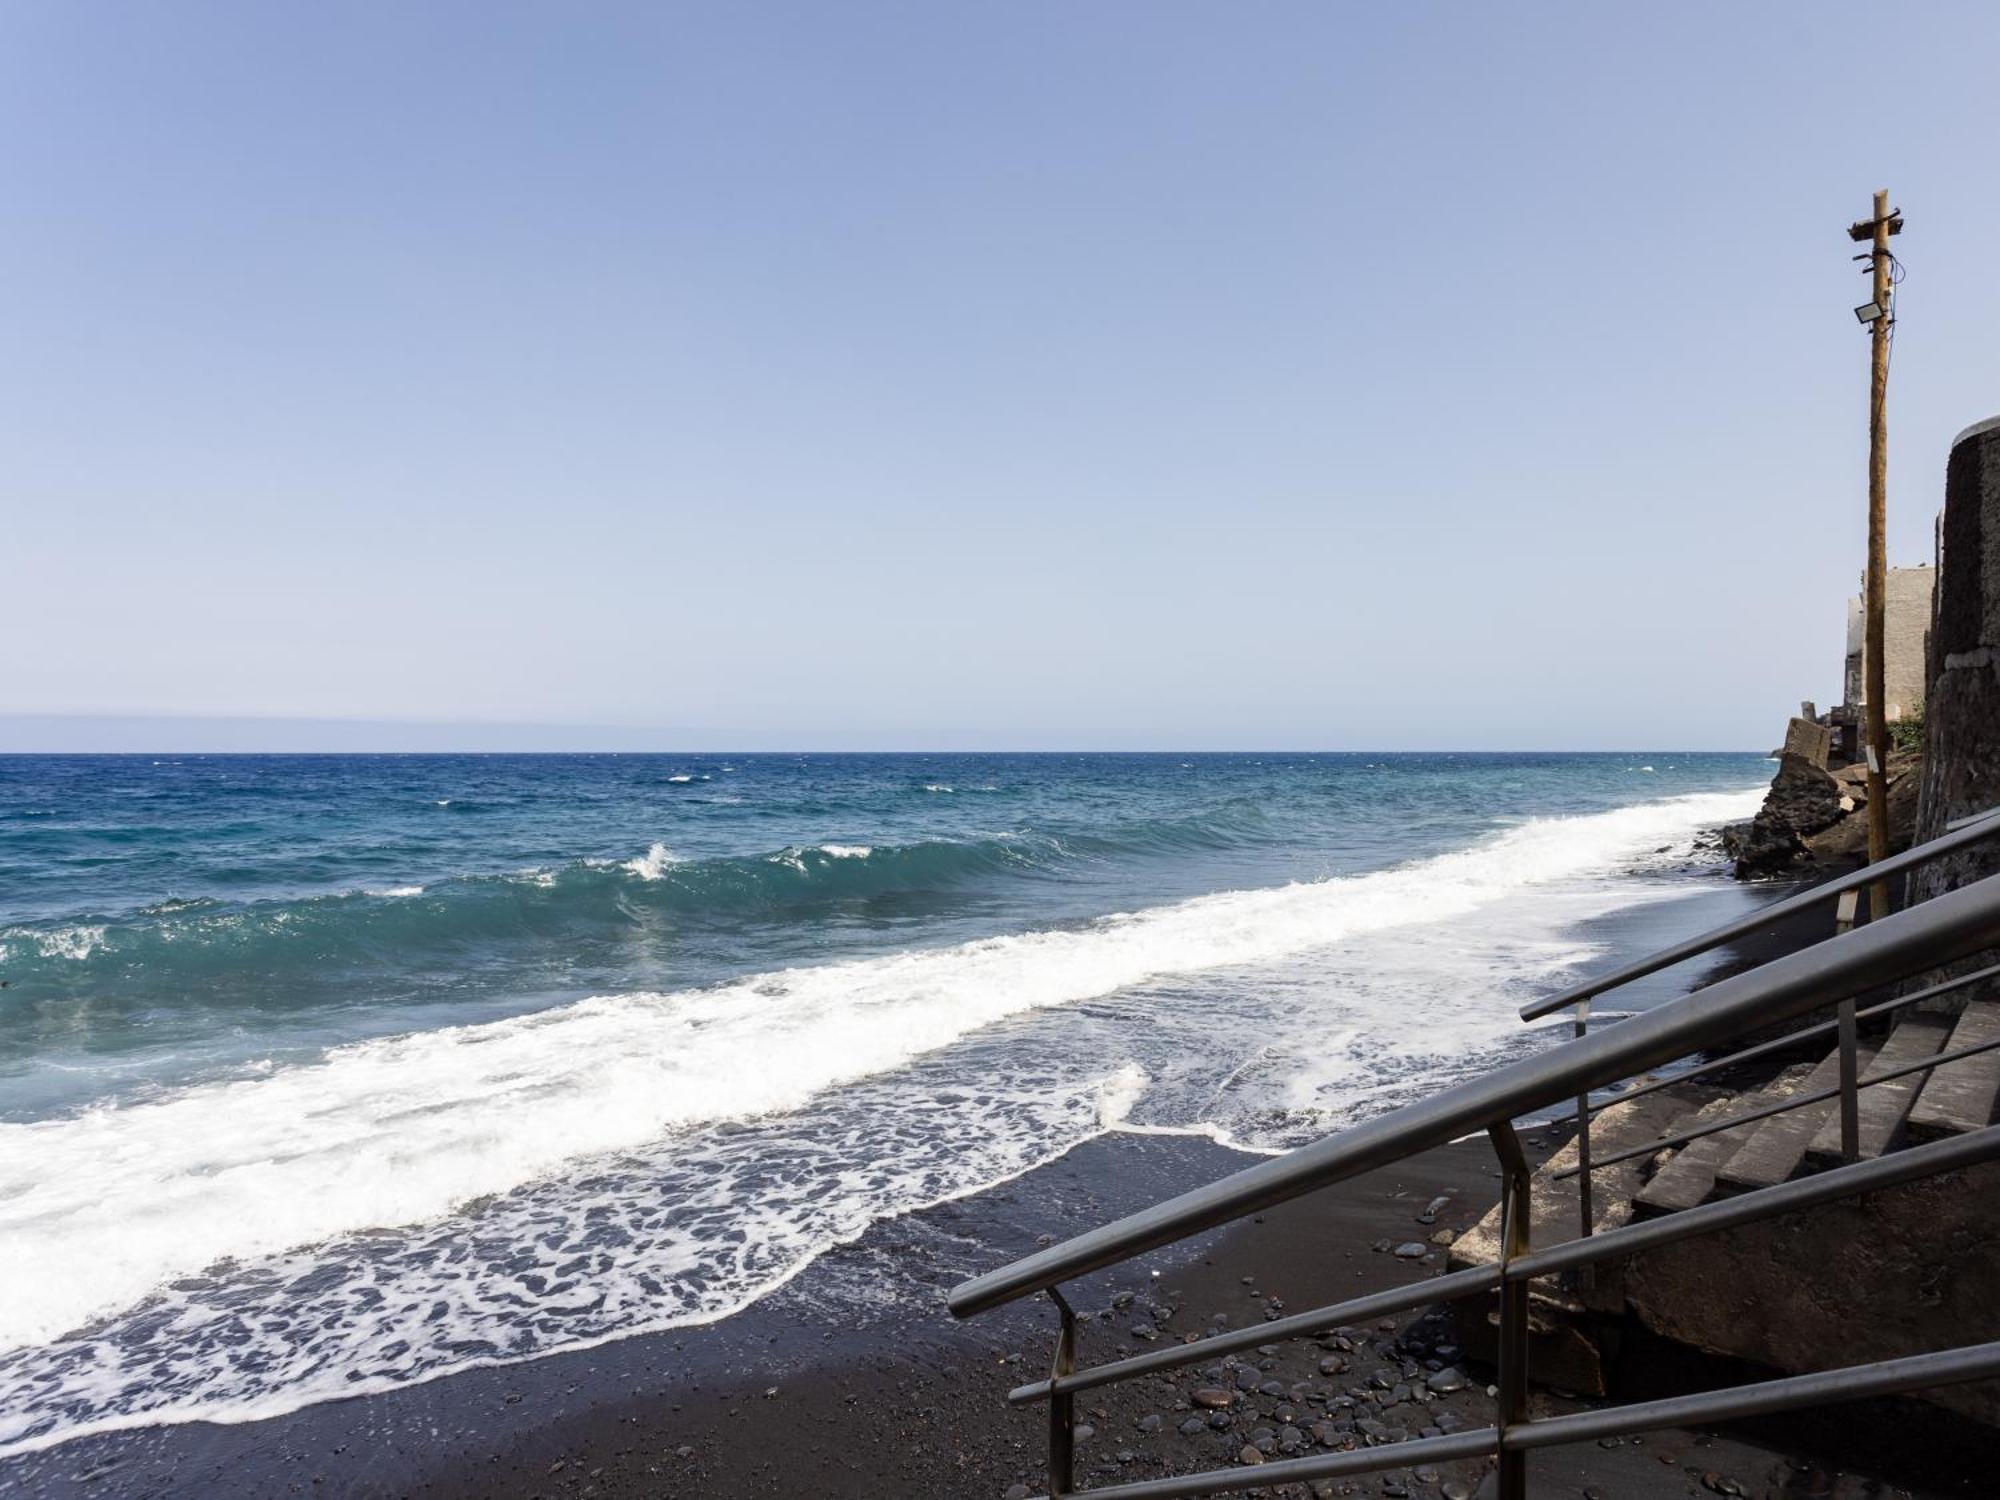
(201, 1232)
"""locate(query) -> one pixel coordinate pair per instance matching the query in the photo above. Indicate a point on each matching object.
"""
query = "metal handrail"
(1888, 1377)
(1948, 927)
(1790, 1039)
(1948, 1155)
(1845, 891)
(1939, 931)
(1796, 1101)
(1968, 831)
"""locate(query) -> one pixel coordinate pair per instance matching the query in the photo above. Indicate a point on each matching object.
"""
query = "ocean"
(328, 1074)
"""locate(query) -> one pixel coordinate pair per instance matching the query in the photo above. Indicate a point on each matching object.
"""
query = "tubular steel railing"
(1965, 832)
(1782, 1044)
(1947, 928)
(1844, 893)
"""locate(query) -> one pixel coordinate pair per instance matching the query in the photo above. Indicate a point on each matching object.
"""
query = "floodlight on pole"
(1867, 313)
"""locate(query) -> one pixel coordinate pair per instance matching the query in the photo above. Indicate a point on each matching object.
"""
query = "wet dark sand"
(853, 1381)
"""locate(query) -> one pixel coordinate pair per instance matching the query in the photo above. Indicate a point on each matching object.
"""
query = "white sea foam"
(653, 864)
(793, 857)
(397, 890)
(850, 1091)
(392, 1131)
(1120, 1092)
(76, 942)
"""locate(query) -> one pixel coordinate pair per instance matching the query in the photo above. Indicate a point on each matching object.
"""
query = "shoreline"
(843, 1378)
(816, 1389)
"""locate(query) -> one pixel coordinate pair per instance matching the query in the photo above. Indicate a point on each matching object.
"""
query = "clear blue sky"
(943, 374)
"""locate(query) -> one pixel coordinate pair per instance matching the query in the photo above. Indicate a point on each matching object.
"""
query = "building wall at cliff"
(1961, 773)
(1906, 631)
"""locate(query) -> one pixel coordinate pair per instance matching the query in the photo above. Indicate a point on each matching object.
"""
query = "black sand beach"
(816, 1391)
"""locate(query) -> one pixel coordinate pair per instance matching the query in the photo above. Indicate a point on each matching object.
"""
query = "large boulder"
(1804, 799)
(1845, 841)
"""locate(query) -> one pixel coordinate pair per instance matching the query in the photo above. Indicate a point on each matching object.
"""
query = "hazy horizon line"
(245, 734)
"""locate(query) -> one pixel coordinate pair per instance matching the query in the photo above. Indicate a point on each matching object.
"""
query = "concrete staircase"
(1569, 1314)
(1924, 1106)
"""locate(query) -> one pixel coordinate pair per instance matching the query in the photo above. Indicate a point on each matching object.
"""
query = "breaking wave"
(634, 1161)
(193, 939)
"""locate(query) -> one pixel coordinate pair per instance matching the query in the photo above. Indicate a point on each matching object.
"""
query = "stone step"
(1775, 1148)
(1688, 1177)
(1884, 1107)
(1960, 1096)
(1561, 1308)
(1554, 1207)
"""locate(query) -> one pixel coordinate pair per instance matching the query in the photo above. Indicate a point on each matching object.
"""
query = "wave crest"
(203, 937)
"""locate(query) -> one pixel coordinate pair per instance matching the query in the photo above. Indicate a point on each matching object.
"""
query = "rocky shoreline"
(1815, 818)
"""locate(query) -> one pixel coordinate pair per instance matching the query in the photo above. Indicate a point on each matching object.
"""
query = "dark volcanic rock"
(1817, 817)
(1847, 838)
(1804, 798)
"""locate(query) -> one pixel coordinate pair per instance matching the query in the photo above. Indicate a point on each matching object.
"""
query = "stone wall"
(1962, 712)
(1903, 1271)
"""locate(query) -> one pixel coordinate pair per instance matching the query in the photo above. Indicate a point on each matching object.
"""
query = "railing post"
(1062, 1407)
(1583, 1131)
(1850, 1097)
(1515, 1241)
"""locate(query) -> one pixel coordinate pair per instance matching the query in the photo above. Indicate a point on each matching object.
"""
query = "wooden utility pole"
(1875, 589)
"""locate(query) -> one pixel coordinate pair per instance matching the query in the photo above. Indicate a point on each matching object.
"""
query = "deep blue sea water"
(320, 1074)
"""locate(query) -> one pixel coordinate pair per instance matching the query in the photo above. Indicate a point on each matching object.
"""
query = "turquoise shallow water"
(325, 1073)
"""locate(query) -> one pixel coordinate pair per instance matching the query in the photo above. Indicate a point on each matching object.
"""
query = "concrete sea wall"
(1962, 712)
